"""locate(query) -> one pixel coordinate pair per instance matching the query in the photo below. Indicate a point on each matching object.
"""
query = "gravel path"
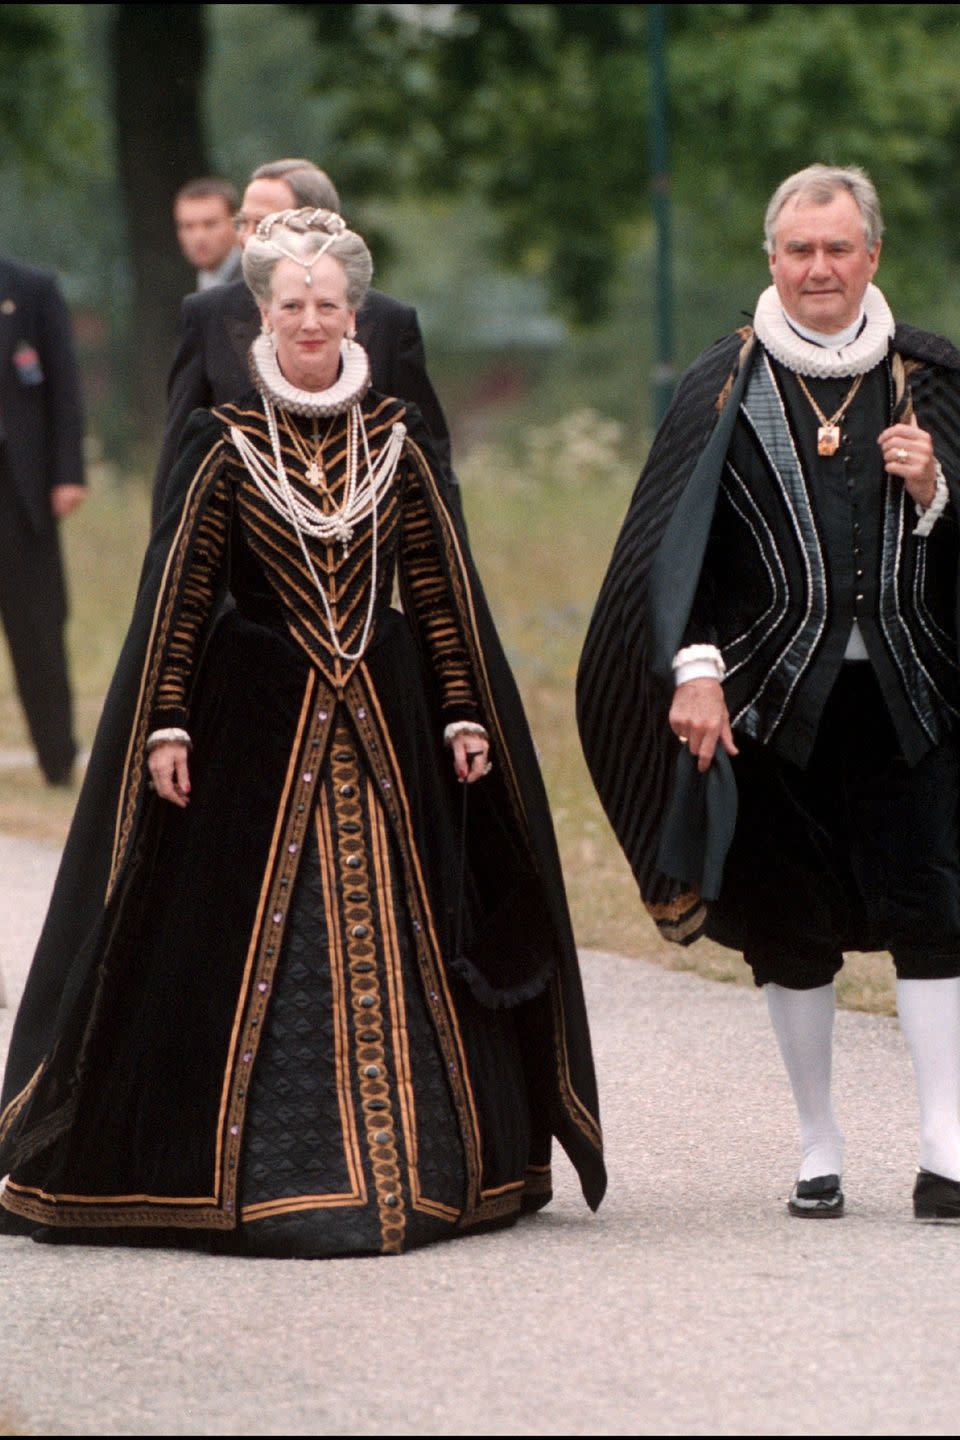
(691, 1304)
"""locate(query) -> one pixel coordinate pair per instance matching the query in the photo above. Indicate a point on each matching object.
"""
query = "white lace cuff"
(164, 737)
(698, 662)
(463, 727)
(930, 514)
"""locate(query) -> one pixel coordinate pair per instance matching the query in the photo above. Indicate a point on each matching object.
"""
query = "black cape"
(674, 824)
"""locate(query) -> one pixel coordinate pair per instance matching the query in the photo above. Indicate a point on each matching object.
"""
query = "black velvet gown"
(260, 1028)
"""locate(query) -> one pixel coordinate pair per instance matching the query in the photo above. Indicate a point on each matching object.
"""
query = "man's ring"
(901, 455)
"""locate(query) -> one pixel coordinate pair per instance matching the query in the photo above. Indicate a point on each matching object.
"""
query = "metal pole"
(663, 370)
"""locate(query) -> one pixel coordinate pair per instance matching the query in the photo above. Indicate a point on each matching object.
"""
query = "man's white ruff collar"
(803, 357)
(351, 385)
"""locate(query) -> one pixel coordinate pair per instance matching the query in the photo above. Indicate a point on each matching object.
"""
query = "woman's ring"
(683, 739)
(901, 455)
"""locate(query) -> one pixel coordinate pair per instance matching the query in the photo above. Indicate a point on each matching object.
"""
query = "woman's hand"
(470, 754)
(167, 763)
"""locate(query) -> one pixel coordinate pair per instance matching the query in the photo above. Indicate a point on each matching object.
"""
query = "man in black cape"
(769, 692)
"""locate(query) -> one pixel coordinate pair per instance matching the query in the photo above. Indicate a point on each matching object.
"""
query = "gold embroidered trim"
(362, 699)
(16, 1105)
(673, 909)
(746, 335)
(495, 1209)
(539, 1180)
(680, 931)
(106, 1212)
(365, 996)
(399, 1033)
(574, 1106)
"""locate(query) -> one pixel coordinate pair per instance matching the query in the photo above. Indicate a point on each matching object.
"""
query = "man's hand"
(699, 718)
(908, 452)
(65, 498)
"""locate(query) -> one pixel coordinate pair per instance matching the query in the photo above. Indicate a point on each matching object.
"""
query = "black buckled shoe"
(817, 1199)
(936, 1200)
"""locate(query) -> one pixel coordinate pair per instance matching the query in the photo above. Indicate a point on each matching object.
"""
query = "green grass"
(542, 527)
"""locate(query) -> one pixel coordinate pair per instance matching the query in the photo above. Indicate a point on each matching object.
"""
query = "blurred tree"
(158, 58)
(542, 110)
(43, 122)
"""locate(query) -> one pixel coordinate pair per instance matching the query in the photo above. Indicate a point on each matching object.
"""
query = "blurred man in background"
(218, 327)
(203, 213)
(41, 481)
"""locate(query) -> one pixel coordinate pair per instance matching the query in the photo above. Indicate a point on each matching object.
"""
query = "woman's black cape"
(537, 973)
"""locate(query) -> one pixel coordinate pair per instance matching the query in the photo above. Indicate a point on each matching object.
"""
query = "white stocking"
(803, 1022)
(929, 1013)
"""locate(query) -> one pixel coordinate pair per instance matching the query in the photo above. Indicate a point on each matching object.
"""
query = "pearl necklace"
(360, 499)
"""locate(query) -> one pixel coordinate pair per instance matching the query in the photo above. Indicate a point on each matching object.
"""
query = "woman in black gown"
(274, 1003)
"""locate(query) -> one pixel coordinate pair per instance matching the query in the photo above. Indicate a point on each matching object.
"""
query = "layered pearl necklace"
(361, 496)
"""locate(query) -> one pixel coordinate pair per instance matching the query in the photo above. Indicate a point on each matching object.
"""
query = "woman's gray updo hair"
(300, 235)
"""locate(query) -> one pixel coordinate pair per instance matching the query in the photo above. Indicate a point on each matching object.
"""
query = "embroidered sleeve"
(434, 613)
(202, 557)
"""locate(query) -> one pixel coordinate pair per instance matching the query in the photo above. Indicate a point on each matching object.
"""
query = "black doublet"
(801, 546)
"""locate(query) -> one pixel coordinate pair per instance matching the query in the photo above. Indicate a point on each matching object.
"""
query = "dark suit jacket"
(217, 328)
(41, 412)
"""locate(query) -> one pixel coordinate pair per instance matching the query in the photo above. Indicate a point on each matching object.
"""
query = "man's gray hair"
(820, 183)
(311, 186)
(300, 234)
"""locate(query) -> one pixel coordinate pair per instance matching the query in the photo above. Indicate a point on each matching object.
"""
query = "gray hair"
(820, 183)
(309, 185)
(298, 234)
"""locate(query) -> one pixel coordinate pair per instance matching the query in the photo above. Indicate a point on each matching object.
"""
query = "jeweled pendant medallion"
(828, 439)
(314, 474)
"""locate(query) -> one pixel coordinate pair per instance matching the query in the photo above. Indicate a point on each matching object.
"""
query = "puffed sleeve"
(427, 595)
(194, 582)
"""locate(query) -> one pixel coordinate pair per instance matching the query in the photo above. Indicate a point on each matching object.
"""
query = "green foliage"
(43, 120)
(542, 110)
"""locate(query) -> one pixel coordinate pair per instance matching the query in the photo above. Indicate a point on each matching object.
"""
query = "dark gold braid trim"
(496, 1209)
(362, 702)
(15, 1106)
(746, 335)
(574, 1106)
(133, 778)
(538, 1180)
(679, 919)
(366, 1000)
(111, 1214)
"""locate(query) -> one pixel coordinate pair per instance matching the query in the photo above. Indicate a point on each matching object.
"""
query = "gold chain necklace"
(314, 471)
(828, 435)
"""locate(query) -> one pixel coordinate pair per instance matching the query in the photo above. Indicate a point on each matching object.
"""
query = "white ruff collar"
(804, 357)
(351, 385)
